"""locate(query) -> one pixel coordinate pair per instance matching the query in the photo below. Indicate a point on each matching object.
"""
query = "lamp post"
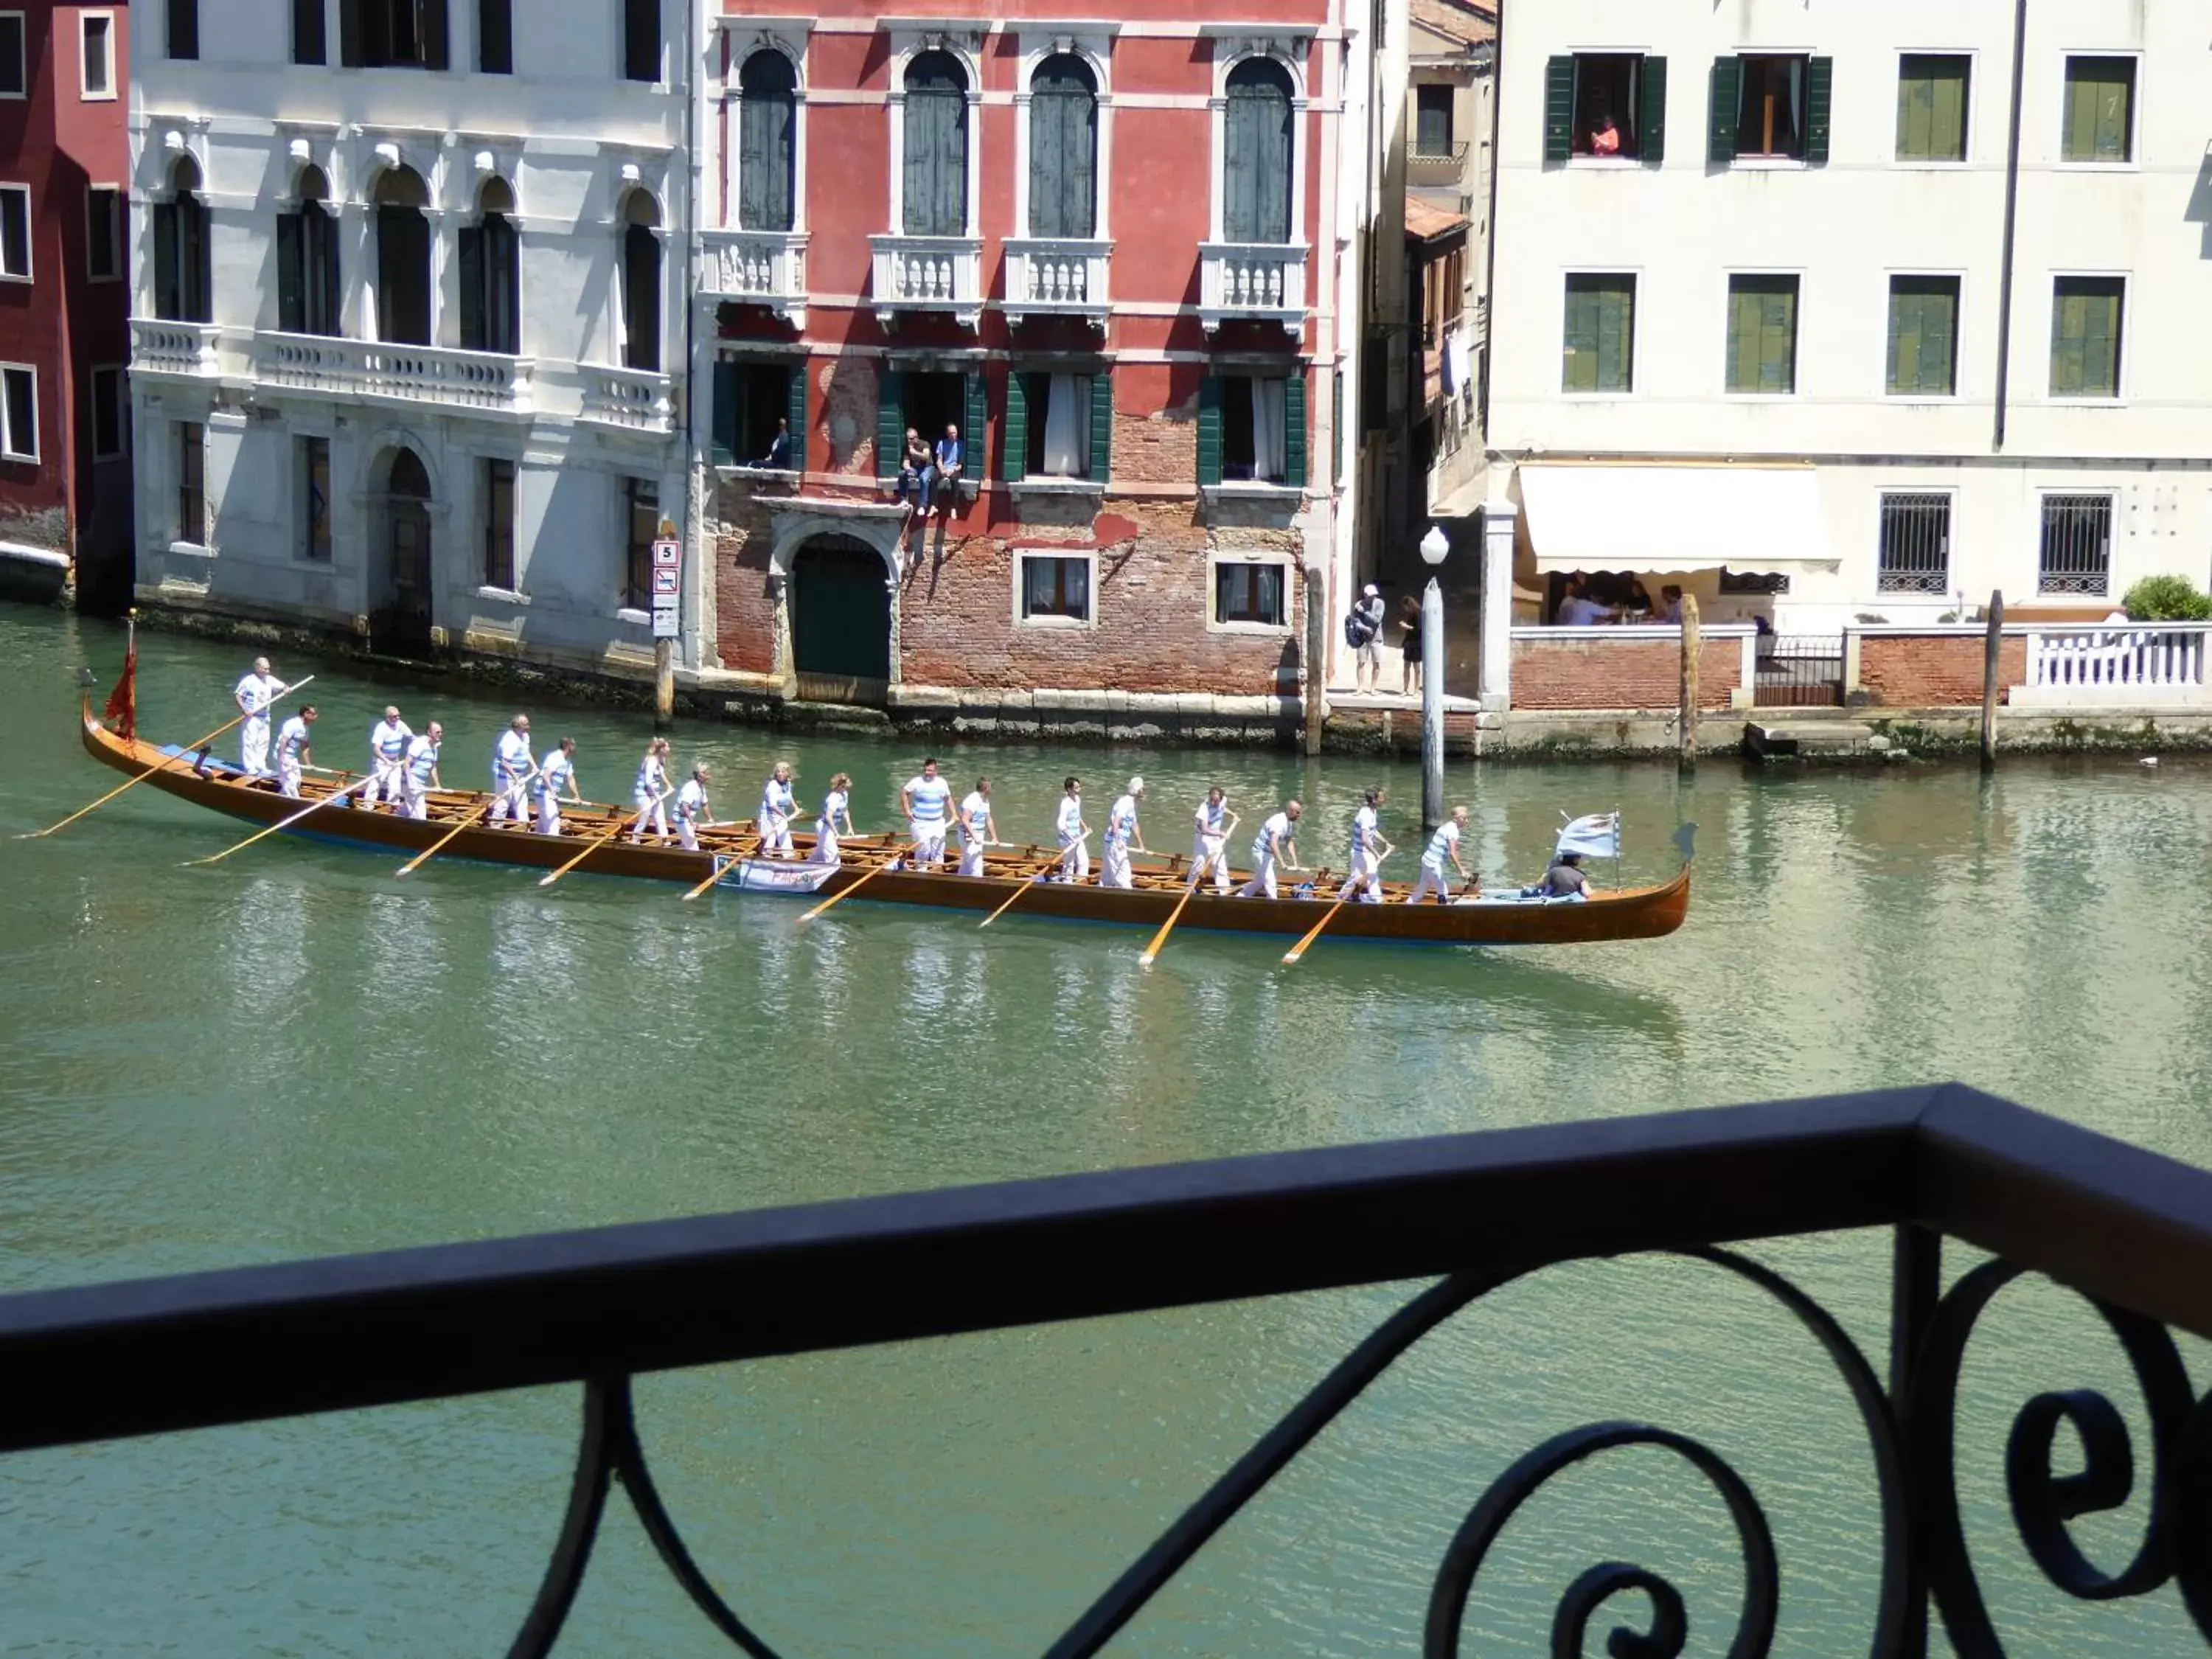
(1434, 547)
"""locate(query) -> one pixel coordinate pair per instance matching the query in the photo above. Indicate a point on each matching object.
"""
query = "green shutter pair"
(891, 422)
(1601, 334)
(1762, 341)
(2085, 337)
(1724, 114)
(1210, 393)
(729, 438)
(1014, 438)
(1650, 113)
(2100, 110)
(1923, 324)
(1931, 107)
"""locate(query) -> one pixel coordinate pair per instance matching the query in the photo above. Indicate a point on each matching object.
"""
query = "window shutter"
(728, 396)
(1049, 206)
(350, 34)
(165, 260)
(1578, 369)
(291, 274)
(1274, 175)
(307, 31)
(503, 262)
(641, 39)
(1294, 431)
(1819, 98)
(795, 415)
(198, 293)
(472, 251)
(437, 35)
(319, 239)
(1336, 425)
(1901, 326)
(1240, 163)
(890, 422)
(1651, 112)
(1101, 426)
(1558, 108)
(1727, 108)
(974, 428)
(496, 36)
(1209, 432)
(1014, 437)
(1079, 183)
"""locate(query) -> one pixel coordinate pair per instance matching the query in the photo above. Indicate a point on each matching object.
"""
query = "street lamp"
(1435, 546)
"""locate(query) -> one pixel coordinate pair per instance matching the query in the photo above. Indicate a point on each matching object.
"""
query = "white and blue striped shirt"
(1121, 821)
(510, 762)
(929, 800)
(388, 741)
(777, 801)
(291, 738)
(554, 772)
(1441, 845)
(652, 781)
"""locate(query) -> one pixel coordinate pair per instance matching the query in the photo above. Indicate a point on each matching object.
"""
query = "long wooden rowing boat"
(1630, 913)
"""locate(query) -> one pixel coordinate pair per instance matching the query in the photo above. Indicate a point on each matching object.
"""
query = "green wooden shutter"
(2101, 341)
(1616, 332)
(767, 120)
(1558, 107)
(471, 250)
(1014, 441)
(165, 260)
(729, 395)
(1727, 108)
(291, 274)
(797, 414)
(1294, 431)
(1777, 346)
(891, 422)
(1209, 432)
(975, 429)
(1578, 341)
(350, 34)
(1101, 426)
(1820, 100)
(1337, 447)
(437, 35)
(1652, 110)
(1904, 370)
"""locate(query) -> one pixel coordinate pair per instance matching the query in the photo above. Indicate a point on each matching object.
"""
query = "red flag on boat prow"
(121, 714)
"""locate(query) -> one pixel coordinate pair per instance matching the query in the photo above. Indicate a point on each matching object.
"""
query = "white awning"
(1762, 520)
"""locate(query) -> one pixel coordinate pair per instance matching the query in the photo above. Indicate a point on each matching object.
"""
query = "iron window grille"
(1915, 545)
(2077, 555)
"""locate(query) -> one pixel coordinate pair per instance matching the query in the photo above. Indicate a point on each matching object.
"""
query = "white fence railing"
(636, 399)
(158, 347)
(2114, 666)
(758, 267)
(1264, 280)
(1057, 274)
(340, 368)
(929, 273)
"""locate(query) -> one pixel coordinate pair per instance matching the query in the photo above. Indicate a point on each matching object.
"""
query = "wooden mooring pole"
(1685, 718)
(1991, 643)
(663, 685)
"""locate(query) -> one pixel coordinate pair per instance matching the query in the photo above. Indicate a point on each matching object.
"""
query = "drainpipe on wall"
(1490, 237)
(2011, 219)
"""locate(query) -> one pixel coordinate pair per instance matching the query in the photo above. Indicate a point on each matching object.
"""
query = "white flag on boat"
(1597, 837)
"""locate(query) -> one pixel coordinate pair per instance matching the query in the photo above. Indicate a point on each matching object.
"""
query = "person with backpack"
(1363, 632)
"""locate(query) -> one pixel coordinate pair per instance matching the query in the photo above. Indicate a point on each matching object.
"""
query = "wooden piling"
(1990, 642)
(1685, 718)
(664, 684)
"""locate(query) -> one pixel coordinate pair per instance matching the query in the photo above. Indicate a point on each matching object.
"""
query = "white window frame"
(8, 446)
(121, 197)
(2134, 163)
(84, 58)
(1798, 346)
(1094, 44)
(964, 40)
(1602, 162)
(1232, 43)
(22, 56)
(1920, 164)
(1635, 273)
(1959, 275)
(29, 273)
(1215, 560)
(1077, 555)
(2112, 494)
(122, 410)
(1773, 163)
(790, 36)
(2123, 381)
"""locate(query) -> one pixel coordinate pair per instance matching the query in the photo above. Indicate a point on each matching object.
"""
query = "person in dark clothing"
(1566, 879)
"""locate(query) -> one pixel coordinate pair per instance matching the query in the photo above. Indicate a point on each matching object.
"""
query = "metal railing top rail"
(157, 1355)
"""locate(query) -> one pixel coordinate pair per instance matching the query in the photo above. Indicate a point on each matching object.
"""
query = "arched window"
(767, 121)
(1256, 182)
(181, 273)
(491, 274)
(935, 186)
(402, 258)
(1063, 149)
(308, 291)
(641, 287)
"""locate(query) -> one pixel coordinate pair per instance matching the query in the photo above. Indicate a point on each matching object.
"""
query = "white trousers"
(549, 813)
(1203, 848)
(653, 813)
(686, 832)
(1263, 877)
(1364, 863)
(253, 745)
(1432, 881)
(1114, 868)
(513, 801)
(389, 780)
(1075, 860)
(417, 798)
(776, 835)
(971, 855)
(288, 777)
(929, 842)
(825, 844)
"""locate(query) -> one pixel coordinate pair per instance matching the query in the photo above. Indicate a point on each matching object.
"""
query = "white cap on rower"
(1136, 785)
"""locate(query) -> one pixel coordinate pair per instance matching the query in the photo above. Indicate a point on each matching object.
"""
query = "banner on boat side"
(755, 876)
(667, 589)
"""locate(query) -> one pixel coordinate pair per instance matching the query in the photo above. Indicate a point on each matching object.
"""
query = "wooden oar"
(621, 828)
(1028, 879)
(1350, 893)
(437, 845)
(335, 796)
(722, 868)
(189, 749)
(1174, 915)
(887, 864)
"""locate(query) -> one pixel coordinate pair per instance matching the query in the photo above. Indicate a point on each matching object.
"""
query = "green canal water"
(291, 1054)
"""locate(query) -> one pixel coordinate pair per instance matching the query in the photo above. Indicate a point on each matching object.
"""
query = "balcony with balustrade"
(374, 371)
(1258, 281)
(1057, 277)
(764, 268)
(628, 399)
(928, 273)
(171, 350)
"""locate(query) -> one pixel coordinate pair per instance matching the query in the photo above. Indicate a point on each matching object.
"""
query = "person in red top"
(1605, 139)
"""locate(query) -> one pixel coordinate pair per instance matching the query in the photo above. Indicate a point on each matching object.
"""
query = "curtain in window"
(1067, 426)
(1269, 459)
(1256, 202)
(936, 181)
(768, 116)
(1063, 149)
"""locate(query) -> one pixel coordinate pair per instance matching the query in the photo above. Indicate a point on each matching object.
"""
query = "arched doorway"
(841, 622)
(400, 619)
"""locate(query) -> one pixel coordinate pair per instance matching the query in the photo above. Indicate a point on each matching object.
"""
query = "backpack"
(1359, 627)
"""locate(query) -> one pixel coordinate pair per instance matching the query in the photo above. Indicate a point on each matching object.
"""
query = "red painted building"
(1105, 251)
(64, 296)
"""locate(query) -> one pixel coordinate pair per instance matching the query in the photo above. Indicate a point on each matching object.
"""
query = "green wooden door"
(841, 622)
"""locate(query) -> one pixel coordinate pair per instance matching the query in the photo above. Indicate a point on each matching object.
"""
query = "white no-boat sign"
(667, 584)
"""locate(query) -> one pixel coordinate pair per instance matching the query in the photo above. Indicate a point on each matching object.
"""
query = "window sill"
(2099, 167)
(1047, 486)
(736, 472)
(503, 595)
(1246, 489)
(191, 549)
(1606, 163)
(1621, 397)
(636, 618)
(2086, 400)
(1769, 164)
(1937, 399)
(24, 278)
(1760, 397)
(19, 460)
(1931, 163)
(1076, 622)
(1263, 630)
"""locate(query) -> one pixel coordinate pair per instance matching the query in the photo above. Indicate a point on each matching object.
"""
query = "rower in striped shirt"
(927, 800)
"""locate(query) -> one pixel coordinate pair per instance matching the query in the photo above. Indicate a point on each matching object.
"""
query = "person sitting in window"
(778, 459)
(912, 467)
(942, 477)
(1605, 138)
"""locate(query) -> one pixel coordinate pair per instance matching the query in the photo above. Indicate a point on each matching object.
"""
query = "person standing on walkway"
(1209, 843)
(779, 806)
(978, 828)
(693, 808)
(927, 800)
(555, 773)
(1121, 832)
(422, 769)
(1368, 848)
(650, 794)
(511, 766)
(1363, 632)
(836, 812)
(1276, 844)
(293, 750)
(1409, 645)
(253, 695)
(387, 761)
(1445, 844)
(1068, 826)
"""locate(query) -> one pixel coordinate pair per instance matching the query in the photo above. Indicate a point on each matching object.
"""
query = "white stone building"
(1878, 299)
(410, 316)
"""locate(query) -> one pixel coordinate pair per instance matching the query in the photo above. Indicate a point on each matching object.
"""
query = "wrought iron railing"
(2129, 1232)
(1798, 670)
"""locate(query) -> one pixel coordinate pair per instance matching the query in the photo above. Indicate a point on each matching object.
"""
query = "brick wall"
(1935, 671)
(1567, 674)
